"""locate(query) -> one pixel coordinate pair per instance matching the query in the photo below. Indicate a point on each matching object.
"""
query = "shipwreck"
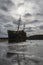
(17, 36)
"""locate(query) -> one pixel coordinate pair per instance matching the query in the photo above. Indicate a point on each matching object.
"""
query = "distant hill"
(3, 39)
(35, 37)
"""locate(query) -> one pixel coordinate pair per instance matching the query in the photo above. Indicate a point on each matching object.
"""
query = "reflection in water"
(4, 61)
(33, 55)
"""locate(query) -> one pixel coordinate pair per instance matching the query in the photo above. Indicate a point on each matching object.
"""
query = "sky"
(31, 12)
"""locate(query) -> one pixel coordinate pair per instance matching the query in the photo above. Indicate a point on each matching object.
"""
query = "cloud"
(5, 4)
(32, 15)
(41, 27)
(34, 21)
(10, 26)
(5, 17)
(3, 32)
(20, 4)
(27, 15)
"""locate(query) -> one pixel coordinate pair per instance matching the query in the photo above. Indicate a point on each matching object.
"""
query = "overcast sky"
(31, 12)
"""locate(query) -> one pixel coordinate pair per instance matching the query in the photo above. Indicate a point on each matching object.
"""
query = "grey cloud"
(35, 21)
(41, 27)
(4, 19)
(32, 21)
(37, 2)
(27, 15)
(5, 4)
(8, 25)
(39, 14)
(29, 29)
(2, 33)
(20, 4)
(17, 22)
(4, 8)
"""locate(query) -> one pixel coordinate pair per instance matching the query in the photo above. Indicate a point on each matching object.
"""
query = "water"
(34, 49)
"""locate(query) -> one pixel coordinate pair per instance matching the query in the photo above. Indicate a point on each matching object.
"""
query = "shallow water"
(34, 49)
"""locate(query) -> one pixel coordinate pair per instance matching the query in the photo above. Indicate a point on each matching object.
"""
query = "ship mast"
(24, 26)
(19, 23)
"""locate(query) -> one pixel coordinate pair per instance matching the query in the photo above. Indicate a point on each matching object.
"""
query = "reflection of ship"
(17, 36)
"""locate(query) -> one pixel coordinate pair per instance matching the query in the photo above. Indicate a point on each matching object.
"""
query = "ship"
(17, 36)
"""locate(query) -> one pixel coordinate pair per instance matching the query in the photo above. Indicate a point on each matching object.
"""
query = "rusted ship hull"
(16, 36)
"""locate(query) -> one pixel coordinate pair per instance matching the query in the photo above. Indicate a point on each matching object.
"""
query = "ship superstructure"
(17, 36)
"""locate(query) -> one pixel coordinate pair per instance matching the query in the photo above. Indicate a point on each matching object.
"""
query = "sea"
(32, 50)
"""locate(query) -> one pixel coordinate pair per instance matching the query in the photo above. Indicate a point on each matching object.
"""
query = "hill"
(35, 37)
